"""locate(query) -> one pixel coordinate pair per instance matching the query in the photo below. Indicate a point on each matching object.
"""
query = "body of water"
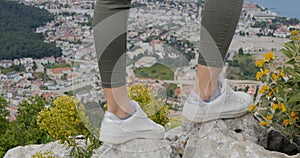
(287, 8)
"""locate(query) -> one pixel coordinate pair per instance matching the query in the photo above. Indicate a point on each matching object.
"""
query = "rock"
(232, 138)
(27, 151)
(249, 128)
(177, 147)
(139, 148)
(278, 142)
(235, 138)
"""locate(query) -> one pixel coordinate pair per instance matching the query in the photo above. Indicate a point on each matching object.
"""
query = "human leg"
(124, 119)
(218, 24)
(109, 24)
(212, 98)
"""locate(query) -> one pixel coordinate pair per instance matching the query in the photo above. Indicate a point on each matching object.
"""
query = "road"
(68, 10)
(84, 61)
(66, 89)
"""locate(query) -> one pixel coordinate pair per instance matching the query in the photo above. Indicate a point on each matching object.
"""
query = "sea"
(286, 8)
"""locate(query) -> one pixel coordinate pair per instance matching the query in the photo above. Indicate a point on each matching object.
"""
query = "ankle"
(208, 93)
(120, 113)
(207, 81)
(204, 95)
(204, 92)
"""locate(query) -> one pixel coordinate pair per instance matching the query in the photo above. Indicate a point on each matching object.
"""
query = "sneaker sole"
(135, 135)
(205, 118)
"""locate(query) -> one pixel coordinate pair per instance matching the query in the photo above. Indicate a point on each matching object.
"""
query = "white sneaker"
(116, 131)
(229, 104)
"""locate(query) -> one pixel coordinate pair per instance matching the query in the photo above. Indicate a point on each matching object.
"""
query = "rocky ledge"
(233, 138)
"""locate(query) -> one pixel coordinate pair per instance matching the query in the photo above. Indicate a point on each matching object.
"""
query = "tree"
(246, 89)
(24, 130)
(258, 24)
(293, 21)
(17, 24)
(34, 66)
(241, 51)
(273, 27)
(242, 33)
(4, 113)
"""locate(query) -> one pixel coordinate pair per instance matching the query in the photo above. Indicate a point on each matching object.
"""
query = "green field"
(242, 67)
(7, 70)
(157, 71)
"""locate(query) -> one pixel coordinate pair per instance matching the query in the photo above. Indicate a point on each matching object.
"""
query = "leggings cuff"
(210, 63)
(113, 85)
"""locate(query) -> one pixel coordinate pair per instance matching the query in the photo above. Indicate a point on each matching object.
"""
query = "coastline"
(288, 10)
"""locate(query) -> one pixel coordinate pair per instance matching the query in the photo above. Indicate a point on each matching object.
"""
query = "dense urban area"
(162, 52)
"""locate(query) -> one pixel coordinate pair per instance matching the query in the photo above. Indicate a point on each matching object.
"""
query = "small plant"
(173, 123)
(279, 104)
(45, 154)
(64, 120)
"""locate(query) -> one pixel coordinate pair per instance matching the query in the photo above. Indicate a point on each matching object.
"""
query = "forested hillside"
(17, 37)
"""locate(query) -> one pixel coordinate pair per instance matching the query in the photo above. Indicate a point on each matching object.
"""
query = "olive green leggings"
(218, 24)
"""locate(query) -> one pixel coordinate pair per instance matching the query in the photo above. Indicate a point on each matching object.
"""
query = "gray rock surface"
(139, 148)
(222, 142)
(230, 138)
(27, 151)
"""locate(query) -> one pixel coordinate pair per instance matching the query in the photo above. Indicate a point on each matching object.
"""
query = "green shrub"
(65, 120)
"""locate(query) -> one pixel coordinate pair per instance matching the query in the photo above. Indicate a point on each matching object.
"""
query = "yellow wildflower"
(275, 77)
(294, 32)
(259, 75)
(269, 117)
(262, 123)
(282, 107)
(286, 122)
(281, 73)
(275, 89)
(294, 116)
(251, 107)
(263, 89)
(266, 71)
(269, 56)
(275, 106)
(260, 63)
(269, 94)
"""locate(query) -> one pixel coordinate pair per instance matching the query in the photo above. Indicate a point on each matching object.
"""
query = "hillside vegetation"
(17, 36)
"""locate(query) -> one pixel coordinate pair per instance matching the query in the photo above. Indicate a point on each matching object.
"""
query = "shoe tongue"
(137, 109)
(111, 116)
(193, 97)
